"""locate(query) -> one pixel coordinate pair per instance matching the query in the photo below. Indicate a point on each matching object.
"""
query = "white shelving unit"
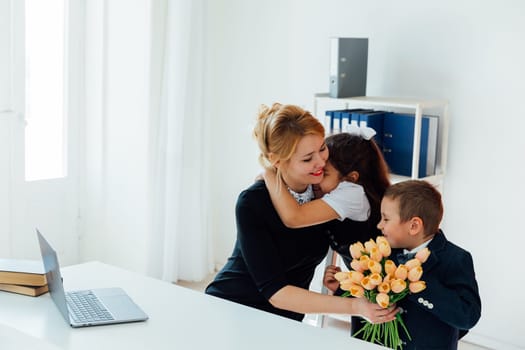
(323, 103)
(416, 106)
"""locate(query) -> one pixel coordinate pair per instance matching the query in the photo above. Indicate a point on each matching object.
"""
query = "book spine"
(28, 279)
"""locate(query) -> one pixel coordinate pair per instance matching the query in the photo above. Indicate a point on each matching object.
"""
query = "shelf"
(417, 106)
(396, 102)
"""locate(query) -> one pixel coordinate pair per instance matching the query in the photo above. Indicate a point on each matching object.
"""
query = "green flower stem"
(386, 334)
(402, 323)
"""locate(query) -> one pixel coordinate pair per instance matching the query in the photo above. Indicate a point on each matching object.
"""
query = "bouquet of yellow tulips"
(380, 281)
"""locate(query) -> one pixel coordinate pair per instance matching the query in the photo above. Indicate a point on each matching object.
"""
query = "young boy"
(437, 317)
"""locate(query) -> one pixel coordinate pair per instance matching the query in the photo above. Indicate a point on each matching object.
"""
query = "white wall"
(468, 52)
(5, 178)
(5, 62)
(5, 126)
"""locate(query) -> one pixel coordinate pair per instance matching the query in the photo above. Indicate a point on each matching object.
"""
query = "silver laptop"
(87, 307)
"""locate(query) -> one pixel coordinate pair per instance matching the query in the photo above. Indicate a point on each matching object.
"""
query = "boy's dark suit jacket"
(440, 315)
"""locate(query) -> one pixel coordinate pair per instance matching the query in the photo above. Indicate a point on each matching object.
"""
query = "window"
(45, 132)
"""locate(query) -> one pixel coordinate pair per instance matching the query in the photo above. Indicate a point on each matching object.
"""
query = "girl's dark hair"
(349, 152)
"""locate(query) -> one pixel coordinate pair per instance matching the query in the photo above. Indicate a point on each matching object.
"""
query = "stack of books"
(23, 277)
(394, 136)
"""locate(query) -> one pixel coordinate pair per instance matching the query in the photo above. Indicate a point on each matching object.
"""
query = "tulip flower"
(384, 287)
(357, 291)
(341, 276)
(423, 255)
(363, 260)
(401, 272)
(381, 239)
(384, 248)
(355, 276)
(375, 279)
(346, 284)
(378, 279)
(383, 300)
(356, 250)
(369, 245)
(416, 287)
(374, 266)
(356, 265)
(410, 264)
(415, 274)
(398, 285)
(367, 283)
(375, 254)
(390, 267)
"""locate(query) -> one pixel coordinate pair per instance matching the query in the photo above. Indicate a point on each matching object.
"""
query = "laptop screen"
(54, 279)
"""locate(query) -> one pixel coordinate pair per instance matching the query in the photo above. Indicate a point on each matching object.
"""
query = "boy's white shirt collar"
(418, 248)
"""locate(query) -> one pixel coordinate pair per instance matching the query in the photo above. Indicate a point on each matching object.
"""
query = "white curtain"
(179, 246)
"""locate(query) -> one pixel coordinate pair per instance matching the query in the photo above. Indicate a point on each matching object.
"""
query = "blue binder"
(398, 143)
(351, 116)
(329, 121)
(336, 120)
(374, 120)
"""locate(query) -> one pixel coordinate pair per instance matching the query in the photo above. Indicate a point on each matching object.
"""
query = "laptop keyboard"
(84, 306)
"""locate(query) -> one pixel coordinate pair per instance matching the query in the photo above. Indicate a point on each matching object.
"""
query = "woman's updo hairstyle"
(279, 129)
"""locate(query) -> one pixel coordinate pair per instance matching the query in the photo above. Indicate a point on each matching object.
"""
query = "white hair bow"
(363, 131)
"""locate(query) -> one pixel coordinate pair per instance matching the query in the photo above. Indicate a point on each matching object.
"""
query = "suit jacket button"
(420, 300)
(430, 305)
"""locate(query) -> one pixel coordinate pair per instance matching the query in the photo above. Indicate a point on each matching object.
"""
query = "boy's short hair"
(418, 198)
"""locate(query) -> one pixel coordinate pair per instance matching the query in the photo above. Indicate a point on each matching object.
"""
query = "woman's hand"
(329, 280)
(374, 313)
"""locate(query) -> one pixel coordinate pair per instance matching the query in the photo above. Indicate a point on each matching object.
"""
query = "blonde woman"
(271, 265)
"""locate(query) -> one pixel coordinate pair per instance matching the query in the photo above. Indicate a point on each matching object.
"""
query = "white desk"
(179, 319)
